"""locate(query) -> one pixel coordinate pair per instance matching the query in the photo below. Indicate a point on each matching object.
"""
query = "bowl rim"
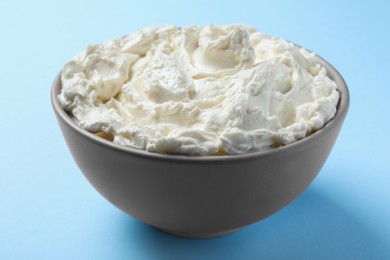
(342, 109)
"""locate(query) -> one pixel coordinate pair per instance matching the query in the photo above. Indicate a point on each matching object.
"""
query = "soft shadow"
(312, 227)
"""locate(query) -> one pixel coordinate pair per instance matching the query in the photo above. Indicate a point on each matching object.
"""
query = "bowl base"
(199, 235)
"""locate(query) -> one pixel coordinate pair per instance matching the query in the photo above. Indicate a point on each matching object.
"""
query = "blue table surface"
(49, 211)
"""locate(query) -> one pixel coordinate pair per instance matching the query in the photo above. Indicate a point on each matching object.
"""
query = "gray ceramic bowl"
(205, 196)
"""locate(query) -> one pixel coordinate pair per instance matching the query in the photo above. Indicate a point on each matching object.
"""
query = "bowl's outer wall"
(198, 197)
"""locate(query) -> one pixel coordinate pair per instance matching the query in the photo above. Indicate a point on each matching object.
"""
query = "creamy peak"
(199, 90)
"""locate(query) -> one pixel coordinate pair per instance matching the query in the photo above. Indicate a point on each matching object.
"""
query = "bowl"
(206, 196)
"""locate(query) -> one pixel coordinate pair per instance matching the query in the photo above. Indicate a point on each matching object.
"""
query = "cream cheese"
(194, 90)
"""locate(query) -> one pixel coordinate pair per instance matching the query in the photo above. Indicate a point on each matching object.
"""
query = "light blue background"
(49, 211)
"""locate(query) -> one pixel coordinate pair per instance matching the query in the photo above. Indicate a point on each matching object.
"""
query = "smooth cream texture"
(210, 90)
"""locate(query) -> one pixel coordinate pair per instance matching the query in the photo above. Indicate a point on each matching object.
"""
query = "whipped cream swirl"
(211, 90)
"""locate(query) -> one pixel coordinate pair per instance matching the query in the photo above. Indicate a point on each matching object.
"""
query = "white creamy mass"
(193, 90)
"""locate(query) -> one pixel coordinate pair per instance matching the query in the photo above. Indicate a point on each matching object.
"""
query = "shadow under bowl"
(201, 197)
